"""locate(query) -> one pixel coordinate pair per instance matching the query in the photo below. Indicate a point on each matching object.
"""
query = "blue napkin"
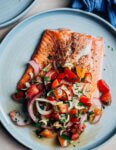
(106, 8)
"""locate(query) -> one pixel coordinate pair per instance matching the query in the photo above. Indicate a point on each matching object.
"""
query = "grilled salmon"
(68, 49)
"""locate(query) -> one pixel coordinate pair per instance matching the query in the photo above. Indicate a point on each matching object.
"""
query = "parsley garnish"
(63, 128)
(38, 134)
(80, 104)
(51, 93)
(45, 69)
(47, 79)
(37, 125)
(82, 79)
(63, 118)
(80, 92)
(65, 137)
(89, 113)
(56, 108)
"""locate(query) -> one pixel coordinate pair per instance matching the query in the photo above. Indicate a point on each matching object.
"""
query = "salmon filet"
(68, 49)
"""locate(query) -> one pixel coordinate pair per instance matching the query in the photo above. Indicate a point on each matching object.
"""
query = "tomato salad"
(59, 104)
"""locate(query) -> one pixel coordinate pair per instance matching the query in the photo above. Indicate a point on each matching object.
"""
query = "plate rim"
(4, 43)
(20, 15)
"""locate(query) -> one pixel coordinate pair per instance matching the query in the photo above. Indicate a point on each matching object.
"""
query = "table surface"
(7, 142)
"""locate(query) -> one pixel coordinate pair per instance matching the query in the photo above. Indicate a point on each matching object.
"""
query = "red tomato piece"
(18, 96)
(50, 98)
(74, 120)
(61, 76)
(70, 76)
(60, 94)
(32, 91)
(102, 86)
(85, 100)
(63, 108)
(40, 87)
(73, 111)
(106, 98)
(75, 136)
(56, 116)
(62, 141)
(48, 116)
(52, 74)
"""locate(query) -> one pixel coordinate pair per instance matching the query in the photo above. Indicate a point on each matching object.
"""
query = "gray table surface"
(7, 142)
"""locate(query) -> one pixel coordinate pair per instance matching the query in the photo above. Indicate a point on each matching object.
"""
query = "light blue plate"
(16, 50)
(12, 10)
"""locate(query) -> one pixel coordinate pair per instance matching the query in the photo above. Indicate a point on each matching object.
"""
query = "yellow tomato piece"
(47, 133)
(97, 111)
(80, 71)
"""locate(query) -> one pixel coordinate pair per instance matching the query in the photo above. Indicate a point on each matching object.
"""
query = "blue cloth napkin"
(106, 8)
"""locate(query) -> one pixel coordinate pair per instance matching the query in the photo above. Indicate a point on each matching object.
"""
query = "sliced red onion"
(50, 73)
(19, 118)
(45, 100)
(69, 94)
(30, 108)
(35, 66)
(96, 119)
(96, 103)
(71, 105)
(41, 111)
(65, 82)
(83, 118)
(31, 75)
(69, 124)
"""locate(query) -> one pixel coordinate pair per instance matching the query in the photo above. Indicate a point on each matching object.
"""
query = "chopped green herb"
(42, 96)
(38, 134)
(45, 69)
(74, 145)
(51, 93)
(47, 79)
(108, 46)
(50, 57)
(63, 128)
(63, 118)
(80, 92)
(79, 114)
(37, 125)
(80, 104)
(56, 108)
(74, 98)
(48, 122)
(82, 79)
(89, 113)
(65, 137)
